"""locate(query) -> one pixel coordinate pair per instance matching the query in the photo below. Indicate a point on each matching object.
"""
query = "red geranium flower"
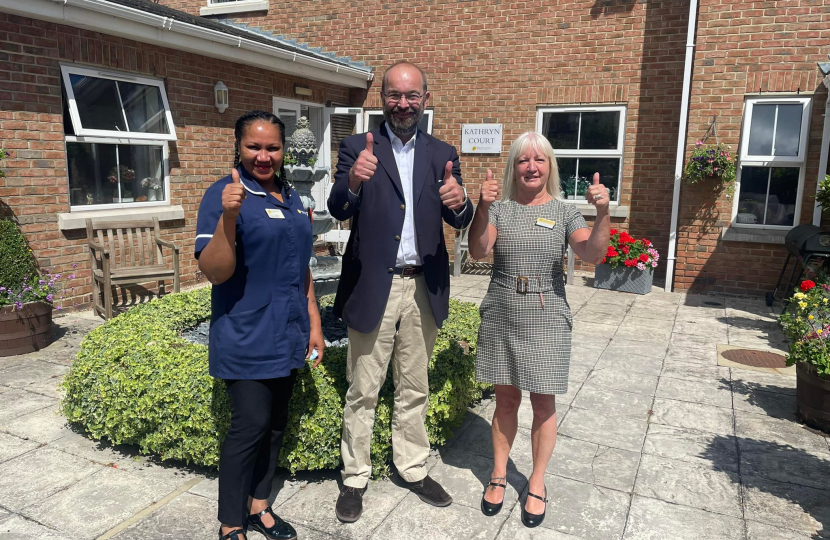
(646, 243)
(625, 249)
(643, 258)
(807, 284)
(604, 260)
(626, 238)
(630, 263)
(613, 232)
(611, 252)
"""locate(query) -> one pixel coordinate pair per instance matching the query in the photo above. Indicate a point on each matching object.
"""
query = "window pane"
(609, 173)
(375, 121)
(98, 103)
(144, 108)
(567, 177)
(600, 130)
(783, 188)
(289, 118)
(561, 129)
(89, 170)
(141, 173)
(788, 130)
(761, 127)
(753, 196)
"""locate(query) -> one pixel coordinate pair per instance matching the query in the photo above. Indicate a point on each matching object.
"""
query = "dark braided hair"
(242, 124)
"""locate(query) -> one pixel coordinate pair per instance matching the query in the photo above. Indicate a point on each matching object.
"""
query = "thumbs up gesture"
(451, 193)
(489, 190)
(597, 194)
(232, 196)
(365, 166)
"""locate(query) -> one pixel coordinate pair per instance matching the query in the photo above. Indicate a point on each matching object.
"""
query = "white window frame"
(234, 6)
(67, 70)
(772, 161)
(570, 153)
(379, 112)
(127, 142)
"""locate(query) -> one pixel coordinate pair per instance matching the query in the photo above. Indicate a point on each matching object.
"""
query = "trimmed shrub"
(16, 259)
(137, 381)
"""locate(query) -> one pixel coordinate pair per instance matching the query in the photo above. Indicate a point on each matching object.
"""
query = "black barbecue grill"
(806, 242)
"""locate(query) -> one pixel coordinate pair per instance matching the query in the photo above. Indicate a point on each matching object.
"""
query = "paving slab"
(613, 379)
(513, 529)
(592, 330)
(662, 312)
(11, 446)
(787, 506)
(282, 489)
(594, 464)
(694, 416)
(613, 402)
(416, 520)
(683, 369)
(32, 372)
(693, 446)
(43, 426)
(313, 507)
(771, 404)
(762, 531)
(623, 432)
(712, 331)
(647, 330)
(620, 346)
(585, 510)
(652, 519)
(186, 516)
(691, 341)
(752, 429)
(631, 363)
(784, 463)
(98, 502)
(744, 380)
(689, 484)
(707, 392)
(19, 527)
(39, 474)
(17, 402)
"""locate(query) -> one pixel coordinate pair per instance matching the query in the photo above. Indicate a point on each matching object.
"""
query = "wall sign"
(481, 138)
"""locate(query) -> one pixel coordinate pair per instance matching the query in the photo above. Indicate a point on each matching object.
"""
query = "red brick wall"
(743, 48)
(495, 61)
(31, 128)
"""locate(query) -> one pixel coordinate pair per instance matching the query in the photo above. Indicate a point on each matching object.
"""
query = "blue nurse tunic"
(259, 326)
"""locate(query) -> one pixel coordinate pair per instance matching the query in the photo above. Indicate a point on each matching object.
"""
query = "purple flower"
(2, 289)
(48, 297)
(74, 265)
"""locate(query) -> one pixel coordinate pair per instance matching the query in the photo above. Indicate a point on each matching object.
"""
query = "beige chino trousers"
(406, 334)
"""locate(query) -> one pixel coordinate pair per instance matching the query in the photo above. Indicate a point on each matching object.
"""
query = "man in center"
(397, 184)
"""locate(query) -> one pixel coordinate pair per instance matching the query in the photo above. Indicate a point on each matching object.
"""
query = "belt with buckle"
(409, 271)
(524, 284)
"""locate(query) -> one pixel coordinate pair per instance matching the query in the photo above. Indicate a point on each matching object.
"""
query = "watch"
(464, 201)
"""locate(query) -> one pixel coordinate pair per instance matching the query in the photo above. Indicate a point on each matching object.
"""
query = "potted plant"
(26, 295)
(628, 264)
(806, 324)
(823, 195)
(711, 161)
(153, 186)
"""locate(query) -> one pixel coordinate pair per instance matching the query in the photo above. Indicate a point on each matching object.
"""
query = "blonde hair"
(527, 141)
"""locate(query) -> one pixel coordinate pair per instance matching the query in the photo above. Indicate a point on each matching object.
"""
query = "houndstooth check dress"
(524, 341)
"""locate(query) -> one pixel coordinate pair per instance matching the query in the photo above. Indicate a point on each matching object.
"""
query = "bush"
(16, 259)
(137, 381)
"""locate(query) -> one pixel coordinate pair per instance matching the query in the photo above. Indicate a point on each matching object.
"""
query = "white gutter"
(825, 150)
(122, 21)
(681, 144)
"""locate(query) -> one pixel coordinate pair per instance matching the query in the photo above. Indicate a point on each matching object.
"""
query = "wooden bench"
(127, 253)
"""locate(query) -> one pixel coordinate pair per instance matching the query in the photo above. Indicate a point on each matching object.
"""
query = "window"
(117, 127)
(374, 118)
(772, 157)
(219, 7)
(586, 140)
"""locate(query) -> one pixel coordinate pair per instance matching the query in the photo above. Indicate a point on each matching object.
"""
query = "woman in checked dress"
(525, 336)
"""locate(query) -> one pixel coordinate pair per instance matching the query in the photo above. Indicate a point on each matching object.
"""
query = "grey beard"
(402, 129)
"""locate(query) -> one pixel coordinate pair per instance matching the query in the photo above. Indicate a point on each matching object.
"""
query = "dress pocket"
(248, 333)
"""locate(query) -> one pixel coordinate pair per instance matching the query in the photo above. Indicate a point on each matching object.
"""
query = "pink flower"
(641, 266)
(654, 264)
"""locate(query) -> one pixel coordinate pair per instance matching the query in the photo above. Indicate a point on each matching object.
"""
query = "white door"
(339, 123)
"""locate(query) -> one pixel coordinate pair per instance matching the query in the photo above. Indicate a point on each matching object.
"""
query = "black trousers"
(259, 413)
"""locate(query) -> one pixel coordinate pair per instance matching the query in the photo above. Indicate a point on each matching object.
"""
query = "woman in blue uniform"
(253, 243)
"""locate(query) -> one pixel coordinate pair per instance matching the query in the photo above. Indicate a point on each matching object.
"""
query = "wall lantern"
(302, 90)
(220, 92)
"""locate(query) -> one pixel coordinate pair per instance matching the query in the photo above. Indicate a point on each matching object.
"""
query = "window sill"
(617, 211)
(235, 7)
(758, 236)
(77, 220)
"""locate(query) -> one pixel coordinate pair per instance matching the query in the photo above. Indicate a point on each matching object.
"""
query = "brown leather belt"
(409, 271)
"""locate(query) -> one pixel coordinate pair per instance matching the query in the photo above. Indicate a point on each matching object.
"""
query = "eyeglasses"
(395, 97)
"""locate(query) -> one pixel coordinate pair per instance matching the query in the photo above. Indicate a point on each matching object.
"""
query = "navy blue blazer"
(378, 215)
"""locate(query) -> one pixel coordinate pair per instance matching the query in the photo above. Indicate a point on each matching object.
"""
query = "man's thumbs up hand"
(365, 166)
(451, 193)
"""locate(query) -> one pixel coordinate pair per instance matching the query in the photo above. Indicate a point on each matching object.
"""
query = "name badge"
(274, 213)
(546, 223)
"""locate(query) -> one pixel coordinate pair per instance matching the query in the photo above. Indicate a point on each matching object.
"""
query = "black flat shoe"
(534, 520)
(281, 530)
(236, 534)
(488, 508)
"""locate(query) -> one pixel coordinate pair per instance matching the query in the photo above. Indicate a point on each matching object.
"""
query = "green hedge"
(136, 381)
(16, 259)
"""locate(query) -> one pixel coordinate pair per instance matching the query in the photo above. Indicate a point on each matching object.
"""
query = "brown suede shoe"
(349, 504)
(429, 491)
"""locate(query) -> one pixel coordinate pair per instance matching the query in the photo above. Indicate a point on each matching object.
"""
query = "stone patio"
(656, 442)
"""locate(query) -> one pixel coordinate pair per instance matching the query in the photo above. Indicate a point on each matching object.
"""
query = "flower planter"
(25, 330)
(622, 278)
(812, 397)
